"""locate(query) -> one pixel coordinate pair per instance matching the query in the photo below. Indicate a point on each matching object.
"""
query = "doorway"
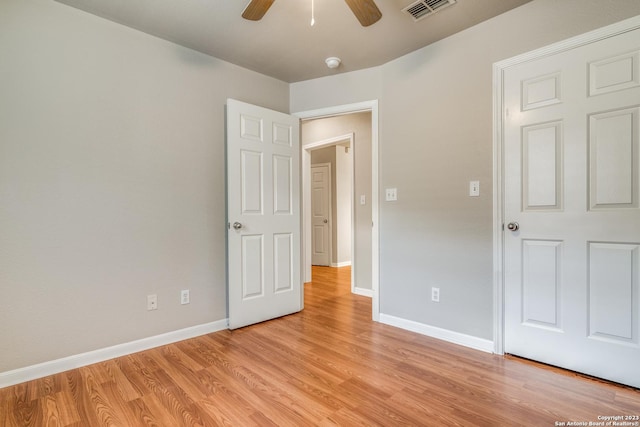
(365, 265)
(350, 222)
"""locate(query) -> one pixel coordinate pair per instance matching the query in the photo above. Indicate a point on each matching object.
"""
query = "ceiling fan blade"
(365, 10)
(256, 9)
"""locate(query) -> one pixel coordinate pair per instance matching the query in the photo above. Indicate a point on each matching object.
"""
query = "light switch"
(363, 199)
(391, 194)
(474, 188)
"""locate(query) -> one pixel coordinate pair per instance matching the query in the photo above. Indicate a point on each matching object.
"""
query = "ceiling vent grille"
(423, 8)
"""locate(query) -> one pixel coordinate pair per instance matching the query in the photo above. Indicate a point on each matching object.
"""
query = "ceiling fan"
(365, 10)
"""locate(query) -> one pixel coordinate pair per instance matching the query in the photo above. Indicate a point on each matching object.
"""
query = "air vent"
(423, 8)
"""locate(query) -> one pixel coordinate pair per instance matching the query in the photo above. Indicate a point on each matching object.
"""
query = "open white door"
(263, 213)
(572, 208)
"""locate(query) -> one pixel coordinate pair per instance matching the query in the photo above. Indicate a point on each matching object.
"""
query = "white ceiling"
(283, 44)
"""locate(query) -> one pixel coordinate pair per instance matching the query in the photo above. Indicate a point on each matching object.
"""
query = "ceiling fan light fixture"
(333, 62)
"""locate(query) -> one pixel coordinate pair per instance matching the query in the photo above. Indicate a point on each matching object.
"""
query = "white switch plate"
(391, 194)
(474, 188)
(363, 199)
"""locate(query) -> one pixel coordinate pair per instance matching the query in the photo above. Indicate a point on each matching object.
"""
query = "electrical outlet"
(152, 302)
(435, 294)
(391, 194)
(184, 296)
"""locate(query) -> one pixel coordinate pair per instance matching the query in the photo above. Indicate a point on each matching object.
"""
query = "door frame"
(499, 69)
(371, 106)
(307, 254)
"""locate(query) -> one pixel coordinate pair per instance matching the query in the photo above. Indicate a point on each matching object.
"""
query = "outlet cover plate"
(152, 302)
(435, 294)
(391, 194)
(184, 296)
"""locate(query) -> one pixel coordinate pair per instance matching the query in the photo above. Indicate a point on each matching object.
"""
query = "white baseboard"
(439, 333)
(341, 264)
(364, 292)
(40, 370)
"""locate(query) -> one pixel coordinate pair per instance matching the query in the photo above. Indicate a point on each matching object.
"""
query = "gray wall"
(436, 135)
(360, 125)
(111, 181)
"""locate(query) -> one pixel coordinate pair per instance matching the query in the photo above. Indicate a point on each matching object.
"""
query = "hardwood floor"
(328, 365)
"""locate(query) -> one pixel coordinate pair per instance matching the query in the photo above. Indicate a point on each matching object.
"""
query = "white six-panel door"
(263, 212)
(572, 200)
(321, 214)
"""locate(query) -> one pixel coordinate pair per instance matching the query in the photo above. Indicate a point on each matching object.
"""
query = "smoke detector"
(332, 62)
(423, 8)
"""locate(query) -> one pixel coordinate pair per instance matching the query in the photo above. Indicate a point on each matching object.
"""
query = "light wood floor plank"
(328, 365)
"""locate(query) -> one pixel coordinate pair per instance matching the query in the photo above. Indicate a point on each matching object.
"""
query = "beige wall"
(360, 125)
(435, 136)
(111, 181)
(357, 86)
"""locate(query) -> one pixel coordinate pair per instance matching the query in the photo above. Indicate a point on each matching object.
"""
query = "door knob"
(513, 226)
(325, 221)
(237, 225)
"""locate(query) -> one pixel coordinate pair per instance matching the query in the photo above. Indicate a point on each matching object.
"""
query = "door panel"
(263, 211)
(613, 282)
(571, 182)
(542, 166)
(613, 167)
(283, 262)
(252, 266)
(541, 283)
(282, 185)
(614, 73)
(251, 176)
